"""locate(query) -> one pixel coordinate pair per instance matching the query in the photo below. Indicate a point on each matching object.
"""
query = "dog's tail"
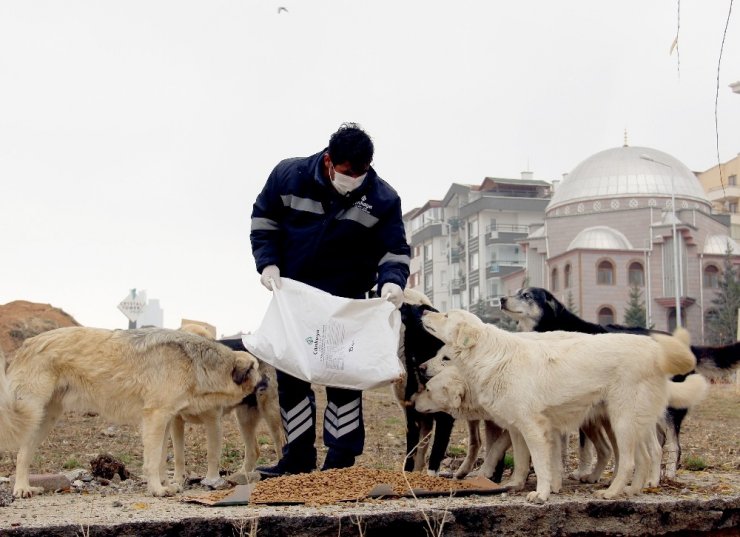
(689, 392)
(16, 418)
(676, 358)
(717, 361)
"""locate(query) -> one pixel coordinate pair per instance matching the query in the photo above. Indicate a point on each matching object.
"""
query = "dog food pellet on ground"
(354, 483)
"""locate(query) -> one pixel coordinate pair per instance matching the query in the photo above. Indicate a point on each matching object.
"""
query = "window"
(566, 276)
(711, 277)
(636, 274)
(672, 319)
(606, 315)
(474, 261)
(492, 287)
(674, 277)
(732, 180)
(428, 252)
(472, 228)
(554, 280)
(605, 273)
(732, 207)
(474, 295)
(428, 283)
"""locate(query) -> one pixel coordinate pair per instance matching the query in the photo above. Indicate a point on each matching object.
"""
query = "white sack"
(329, 340)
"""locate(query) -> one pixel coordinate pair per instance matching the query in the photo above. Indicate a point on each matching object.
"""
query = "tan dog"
(144, 377)
(262, 404)
(543, 385)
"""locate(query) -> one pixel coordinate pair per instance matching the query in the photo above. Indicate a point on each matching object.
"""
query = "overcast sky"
(135, 135)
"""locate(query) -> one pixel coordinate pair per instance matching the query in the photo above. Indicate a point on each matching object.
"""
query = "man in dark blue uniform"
(329, 221)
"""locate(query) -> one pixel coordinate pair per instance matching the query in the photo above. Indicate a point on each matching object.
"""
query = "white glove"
(393, 293)
(270, 272)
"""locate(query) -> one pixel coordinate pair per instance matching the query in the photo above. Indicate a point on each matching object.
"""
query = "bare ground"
(710, 440)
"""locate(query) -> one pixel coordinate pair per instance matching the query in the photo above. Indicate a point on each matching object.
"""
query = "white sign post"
(132, 306)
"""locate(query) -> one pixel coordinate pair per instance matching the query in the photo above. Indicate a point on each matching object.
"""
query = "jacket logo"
(363, 205)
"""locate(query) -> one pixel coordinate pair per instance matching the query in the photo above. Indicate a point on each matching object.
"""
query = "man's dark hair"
(351, 144)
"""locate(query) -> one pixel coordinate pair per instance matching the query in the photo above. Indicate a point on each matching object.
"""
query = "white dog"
(543, 385)
(448, 391)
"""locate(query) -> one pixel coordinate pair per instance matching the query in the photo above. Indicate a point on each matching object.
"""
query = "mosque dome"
(600, 238)
(629, 172)
(717, 245)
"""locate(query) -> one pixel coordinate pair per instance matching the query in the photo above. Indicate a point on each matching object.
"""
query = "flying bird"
(281, 8)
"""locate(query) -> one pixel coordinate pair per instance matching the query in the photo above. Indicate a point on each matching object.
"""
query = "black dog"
(537, 310)
(418, 347)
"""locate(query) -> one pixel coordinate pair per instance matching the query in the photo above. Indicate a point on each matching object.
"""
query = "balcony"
(729, 193)
(505, 233)
(457, 285)
(508, 228)
(496, 267)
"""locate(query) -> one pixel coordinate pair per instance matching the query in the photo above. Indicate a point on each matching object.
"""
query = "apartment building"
(723, 190)
(463, 244)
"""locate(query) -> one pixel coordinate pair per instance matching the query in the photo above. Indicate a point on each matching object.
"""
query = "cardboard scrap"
(239, 495)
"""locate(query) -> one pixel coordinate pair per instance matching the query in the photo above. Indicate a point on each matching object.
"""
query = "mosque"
(623, 217)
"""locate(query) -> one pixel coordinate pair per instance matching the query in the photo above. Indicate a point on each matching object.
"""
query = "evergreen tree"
(635, 314)
(507, 323)
(722, 325)
(570, 303)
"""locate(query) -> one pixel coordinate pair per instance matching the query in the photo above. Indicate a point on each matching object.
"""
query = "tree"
(722, 323)
(635, 314)
(570, 303)
(507, 323)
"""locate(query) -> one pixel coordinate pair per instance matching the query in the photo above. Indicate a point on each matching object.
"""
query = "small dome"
(600, 238)
(717, 245)
(628, 172)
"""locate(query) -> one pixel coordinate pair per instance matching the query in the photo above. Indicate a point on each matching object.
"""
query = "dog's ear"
(467, 335)
(555, 305)
(242, 369)
(453, 394)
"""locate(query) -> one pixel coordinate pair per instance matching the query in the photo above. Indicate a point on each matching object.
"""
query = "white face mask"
(346, 184)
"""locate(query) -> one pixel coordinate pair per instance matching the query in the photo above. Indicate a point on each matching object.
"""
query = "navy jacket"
(343, 245)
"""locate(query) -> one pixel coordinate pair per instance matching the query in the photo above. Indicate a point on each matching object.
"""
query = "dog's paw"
(433, 473)
(514, 485)
(217, 483)
(461, 475)
(243, 478)
(537, 497)
(27, 491)
(159, 491)
(589, 478)
(606, 494)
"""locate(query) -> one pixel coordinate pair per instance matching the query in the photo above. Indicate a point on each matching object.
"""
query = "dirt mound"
(21, 319)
